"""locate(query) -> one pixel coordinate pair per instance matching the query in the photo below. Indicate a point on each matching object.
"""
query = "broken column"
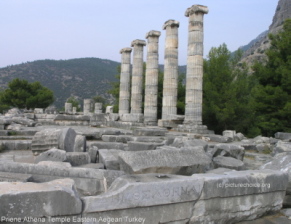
(98, 108)
(151, 78)
(170, 85)
(124, 92)
(68, 108)
(87, 106)
(137, 77)
(194, 76)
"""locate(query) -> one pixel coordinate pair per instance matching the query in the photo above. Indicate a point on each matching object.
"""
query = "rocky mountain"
(256, 48)
(83, 77)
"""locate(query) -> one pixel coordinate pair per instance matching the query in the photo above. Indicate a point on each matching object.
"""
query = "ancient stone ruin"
(129, 167)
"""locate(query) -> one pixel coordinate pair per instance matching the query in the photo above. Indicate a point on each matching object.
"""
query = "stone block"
(229, 134)
(93, 152)
(153, 131)
(14, 177)
(283, 135)
(106, 145)
(56, 155)
(55, 198)
(133, 191)
(282, 147)
(219, 138)
(80, 143)
(142, 146)
(138, 118)
(229, 150)
(52, 164)
(54, 138)
(88, 181)
(241, 195)
(15, 145)
(78, 158)
(116, 138)
(109, 109)
(184, 161)
(228, 162)
(93, 166)
(282, 162)
(150, 139)
(109, 158)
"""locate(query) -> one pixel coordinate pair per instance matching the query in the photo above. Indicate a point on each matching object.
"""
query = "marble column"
(170, 85)
(151, 78)
(68, 108)
(137, 76)
(194, 75)
(124, 92)
(87, 106)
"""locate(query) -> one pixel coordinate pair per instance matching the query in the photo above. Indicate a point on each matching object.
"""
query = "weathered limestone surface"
(283, 135)
(170, 85)
(282, 162)
(194, 75)
(14, 177)
(117, 138)
(149, 131)
(228, 162)
(132, 118)
(69, 120)
(109, 158)
(124, 92)
(151, 78)
(54, 154)
(185, 161)
(78, 158)
(106, 145)
(55, 198)
(145, 190)
(80, 144)
(282, 147)
(15, 144)
(229, 150)
(201, 199)
(88, 181)
(141, 146)
(54, 138)
(253, 193)
(137, 78)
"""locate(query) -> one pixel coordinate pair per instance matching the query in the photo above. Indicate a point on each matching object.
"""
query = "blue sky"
(65, 29)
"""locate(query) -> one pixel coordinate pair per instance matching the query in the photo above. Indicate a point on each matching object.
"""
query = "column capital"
(171, 23)
(196, 8)
(153, 33)
(138, 42)
(126, 49)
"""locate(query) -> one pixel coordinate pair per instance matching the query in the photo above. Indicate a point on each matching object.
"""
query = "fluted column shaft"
(194, 76)
(68, 108)
(151, 78)
(170, 84)
(137, 77)
(124, 90)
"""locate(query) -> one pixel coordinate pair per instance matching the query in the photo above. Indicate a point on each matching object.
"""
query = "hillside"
(83, 78)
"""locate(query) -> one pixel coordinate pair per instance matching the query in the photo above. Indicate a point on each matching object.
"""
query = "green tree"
(226, 90)
(22, 94)
(272, 96)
